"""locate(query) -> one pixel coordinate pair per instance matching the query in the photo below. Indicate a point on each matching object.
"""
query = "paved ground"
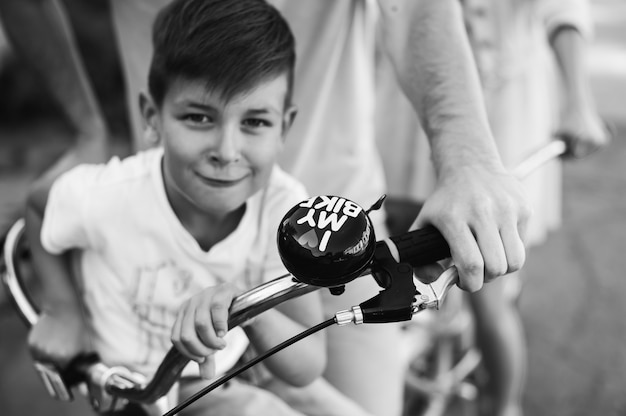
(573, 305)
(573, 302)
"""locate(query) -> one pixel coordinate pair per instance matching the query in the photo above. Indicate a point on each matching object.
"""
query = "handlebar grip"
(423, 246)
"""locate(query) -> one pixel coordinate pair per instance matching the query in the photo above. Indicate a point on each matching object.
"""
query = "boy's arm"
(39, 31)
(59, 334)
(303, 361)
(202, 322)
(477, 205)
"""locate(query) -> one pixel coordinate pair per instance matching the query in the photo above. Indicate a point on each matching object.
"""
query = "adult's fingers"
(492, 250)
(514, 248)
(464, 250)
(429, 272)
(467, 258)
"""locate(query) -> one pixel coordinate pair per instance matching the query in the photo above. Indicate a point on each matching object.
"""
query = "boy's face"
(218, 153)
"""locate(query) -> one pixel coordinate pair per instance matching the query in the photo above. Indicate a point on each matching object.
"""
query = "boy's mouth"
(220, 182)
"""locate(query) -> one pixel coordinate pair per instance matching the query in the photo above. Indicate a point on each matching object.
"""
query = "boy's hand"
(58, 337)
(482, 213)
(201, 324)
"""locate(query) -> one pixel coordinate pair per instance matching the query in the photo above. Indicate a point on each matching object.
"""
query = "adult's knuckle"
(450, 216)
(525, 210)
(517, 262)
(496, 270)
(472, 267)
(482, 210)
(471, 284)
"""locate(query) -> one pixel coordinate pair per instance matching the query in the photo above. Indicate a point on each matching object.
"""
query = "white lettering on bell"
(308, 203)
(326, 202)
(339, 204)
(308, 218)
(324, 241)
(351, 209)
(335, 222)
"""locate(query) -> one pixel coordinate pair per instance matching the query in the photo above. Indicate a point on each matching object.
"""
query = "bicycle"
(390, 262)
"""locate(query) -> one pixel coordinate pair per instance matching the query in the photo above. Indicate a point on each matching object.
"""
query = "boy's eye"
(198, 118)
(256, 122)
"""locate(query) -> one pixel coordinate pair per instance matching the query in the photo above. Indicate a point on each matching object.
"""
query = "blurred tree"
(26, 98)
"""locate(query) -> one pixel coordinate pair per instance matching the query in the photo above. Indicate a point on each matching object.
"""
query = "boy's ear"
(149, 113)
(288, 118)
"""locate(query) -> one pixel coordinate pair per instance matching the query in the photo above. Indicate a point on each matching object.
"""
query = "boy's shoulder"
(118, 171)
(281, 182)
(281, 193)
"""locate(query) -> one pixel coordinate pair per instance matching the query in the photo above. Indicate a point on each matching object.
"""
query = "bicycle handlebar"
(426, 246)
(422, 246)
(418, 247)
(243, 307)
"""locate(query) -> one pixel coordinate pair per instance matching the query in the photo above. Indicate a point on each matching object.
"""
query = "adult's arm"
(479, 207)
(39, 31)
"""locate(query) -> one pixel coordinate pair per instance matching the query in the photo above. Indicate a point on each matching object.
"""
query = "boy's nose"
(227, 148)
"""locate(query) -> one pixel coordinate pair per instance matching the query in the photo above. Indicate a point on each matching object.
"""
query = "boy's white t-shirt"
(138, 262)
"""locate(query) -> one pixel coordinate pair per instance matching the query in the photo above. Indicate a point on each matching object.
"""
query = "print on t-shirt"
(161, 289)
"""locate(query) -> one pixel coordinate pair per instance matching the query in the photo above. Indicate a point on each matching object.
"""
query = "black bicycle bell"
(326, 241)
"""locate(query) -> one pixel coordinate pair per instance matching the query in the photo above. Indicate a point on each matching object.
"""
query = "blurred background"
(572, 304)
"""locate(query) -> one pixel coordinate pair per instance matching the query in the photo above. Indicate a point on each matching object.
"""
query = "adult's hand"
(482, 212)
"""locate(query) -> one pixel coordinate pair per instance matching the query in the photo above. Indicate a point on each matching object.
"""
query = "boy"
(168, 236)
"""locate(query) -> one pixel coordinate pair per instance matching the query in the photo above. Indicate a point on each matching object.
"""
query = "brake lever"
(432, 295)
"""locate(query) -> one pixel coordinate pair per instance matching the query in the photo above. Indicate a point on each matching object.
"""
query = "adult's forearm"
(40, 33)
(428, 47)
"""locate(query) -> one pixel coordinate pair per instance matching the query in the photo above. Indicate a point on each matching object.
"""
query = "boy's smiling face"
(218, 153)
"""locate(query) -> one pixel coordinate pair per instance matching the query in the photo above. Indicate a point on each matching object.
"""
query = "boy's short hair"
(231, 44)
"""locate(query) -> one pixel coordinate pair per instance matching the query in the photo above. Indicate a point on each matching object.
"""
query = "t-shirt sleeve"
(575, 13)
(66, 223)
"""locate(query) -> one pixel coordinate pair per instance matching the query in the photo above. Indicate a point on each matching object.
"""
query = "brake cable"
(235, 372)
